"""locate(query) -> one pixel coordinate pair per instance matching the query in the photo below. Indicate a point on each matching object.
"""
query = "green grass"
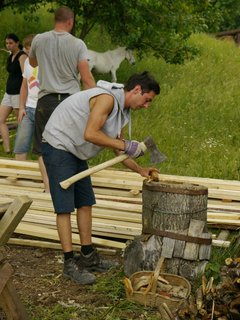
(195, 120)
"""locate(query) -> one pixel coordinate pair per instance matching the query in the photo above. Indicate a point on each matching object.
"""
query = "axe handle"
(68, 182)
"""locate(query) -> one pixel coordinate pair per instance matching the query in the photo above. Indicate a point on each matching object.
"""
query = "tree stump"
(174, 221)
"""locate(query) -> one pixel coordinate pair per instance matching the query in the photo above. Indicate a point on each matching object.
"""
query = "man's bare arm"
(33, 62)
(87, 78)
(101, 106)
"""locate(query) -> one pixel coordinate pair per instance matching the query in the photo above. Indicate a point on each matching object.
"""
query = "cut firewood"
(209, 285)
(204, 284)
(199, 298)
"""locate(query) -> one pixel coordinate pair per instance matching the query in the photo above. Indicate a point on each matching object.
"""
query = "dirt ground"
(39, 282)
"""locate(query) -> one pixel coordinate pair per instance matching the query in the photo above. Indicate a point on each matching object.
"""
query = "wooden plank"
(223, 235)
(221, 243)
(107, 226)
(11, 304)
(12, 217)
(12, 163)
(2, 255)
(53, 245)
(167, 247)
(224, 222)
(26, 184)
(191, 249)
(6, 271)
(128, 175)
(116, 202)
(4, 206)
(179, 246)
(20, 173)
(223, 215)
(205, 250)
(46, 233)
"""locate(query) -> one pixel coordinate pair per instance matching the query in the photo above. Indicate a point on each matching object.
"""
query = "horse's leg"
(114, 76)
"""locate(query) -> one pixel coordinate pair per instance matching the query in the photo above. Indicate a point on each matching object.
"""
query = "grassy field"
(195, 120)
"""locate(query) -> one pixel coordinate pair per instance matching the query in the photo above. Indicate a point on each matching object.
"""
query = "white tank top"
(66, 126)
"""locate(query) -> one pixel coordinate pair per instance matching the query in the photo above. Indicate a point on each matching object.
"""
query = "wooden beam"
(12, 217)
(53, 245)
(37, 231)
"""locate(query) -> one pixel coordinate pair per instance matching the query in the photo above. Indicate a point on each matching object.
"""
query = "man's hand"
(133, 149)
(148, 172)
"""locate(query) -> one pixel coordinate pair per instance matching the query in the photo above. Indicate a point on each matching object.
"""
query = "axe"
(148, 143)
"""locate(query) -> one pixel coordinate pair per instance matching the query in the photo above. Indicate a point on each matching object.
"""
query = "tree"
(224, 15)
(157, 25)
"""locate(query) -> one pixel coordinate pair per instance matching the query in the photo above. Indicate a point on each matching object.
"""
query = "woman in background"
(10, 101)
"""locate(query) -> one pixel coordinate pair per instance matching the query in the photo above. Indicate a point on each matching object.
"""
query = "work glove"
(133, 148)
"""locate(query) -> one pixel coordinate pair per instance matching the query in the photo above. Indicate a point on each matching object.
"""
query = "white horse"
(109, 61)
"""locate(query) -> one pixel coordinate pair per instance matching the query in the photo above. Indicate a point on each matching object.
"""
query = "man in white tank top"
(80, 127)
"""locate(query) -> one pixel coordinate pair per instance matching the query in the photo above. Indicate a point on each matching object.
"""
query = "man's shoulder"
(43, 35)
(77, 40)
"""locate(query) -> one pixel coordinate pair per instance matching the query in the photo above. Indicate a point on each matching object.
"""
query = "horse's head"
(130, 57)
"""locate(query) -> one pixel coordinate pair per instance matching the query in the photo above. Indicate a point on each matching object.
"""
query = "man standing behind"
(60, 57)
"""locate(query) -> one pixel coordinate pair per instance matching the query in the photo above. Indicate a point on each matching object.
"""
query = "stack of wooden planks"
(117, 214)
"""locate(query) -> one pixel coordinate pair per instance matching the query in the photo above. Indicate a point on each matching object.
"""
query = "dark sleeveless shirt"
(14, 80)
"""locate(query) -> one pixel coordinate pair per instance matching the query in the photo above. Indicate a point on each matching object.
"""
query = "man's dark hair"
(145, 80)
(62, 14)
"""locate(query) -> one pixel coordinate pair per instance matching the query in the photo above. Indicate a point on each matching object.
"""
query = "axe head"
(155, 155)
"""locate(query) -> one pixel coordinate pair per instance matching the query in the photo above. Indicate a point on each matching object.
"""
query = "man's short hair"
(62, 14)
(145, 80)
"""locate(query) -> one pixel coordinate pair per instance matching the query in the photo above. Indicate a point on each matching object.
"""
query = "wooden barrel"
(174, 225)
(171, 205)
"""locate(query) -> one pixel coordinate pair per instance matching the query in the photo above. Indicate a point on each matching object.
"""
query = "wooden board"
(12, 217)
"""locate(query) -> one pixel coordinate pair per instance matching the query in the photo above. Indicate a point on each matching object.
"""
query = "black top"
(14, 80)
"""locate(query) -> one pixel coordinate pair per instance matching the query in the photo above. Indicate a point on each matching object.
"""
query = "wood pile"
(216, 301)
(232, 34)
(117, 214)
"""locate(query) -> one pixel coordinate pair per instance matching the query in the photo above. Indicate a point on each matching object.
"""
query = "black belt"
(59, 96)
